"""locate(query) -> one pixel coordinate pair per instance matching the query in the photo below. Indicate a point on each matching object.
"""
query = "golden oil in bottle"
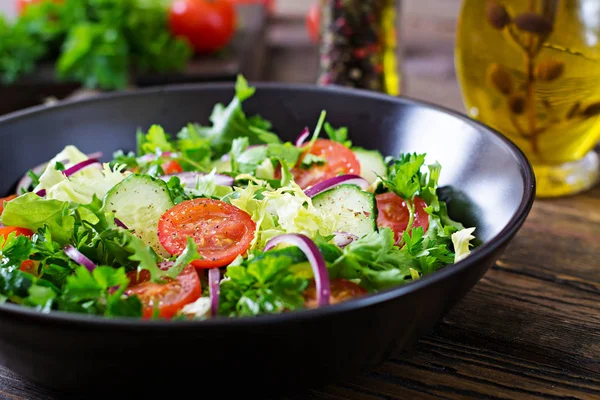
(531, 70)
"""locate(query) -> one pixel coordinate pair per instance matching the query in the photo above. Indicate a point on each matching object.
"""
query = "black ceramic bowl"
(487, 182)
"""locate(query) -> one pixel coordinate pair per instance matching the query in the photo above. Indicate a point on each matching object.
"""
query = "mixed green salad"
(223, 220)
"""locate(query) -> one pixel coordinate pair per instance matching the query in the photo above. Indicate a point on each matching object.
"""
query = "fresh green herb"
(35, 179)
(338, 135)
(231, 122)
(14, 250)
(129, 160)
(187, 256)
(156, 140)
(28, 40)
(317, 131)
(378, 263)
(99, 292)
(284, 151)
(264, 285)
(310, 159)
(96, 43)
(177, 190)
(405, 179)
(194, 150)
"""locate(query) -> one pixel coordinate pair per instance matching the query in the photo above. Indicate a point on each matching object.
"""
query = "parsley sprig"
(405, 179)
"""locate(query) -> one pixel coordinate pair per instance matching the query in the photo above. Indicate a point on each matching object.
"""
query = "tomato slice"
(220, 230)
(171, 167)
(341, 290)
(6, 200)
(394, 214)
(169, 297)
(340, 160)
(7, 230)
(30, 267)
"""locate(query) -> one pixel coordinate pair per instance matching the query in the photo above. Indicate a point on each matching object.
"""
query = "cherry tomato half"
(30, 266)
(208, 25)
(220, 230)
(394, 214)
(341, 290)
(7, 230)
(168, 297)
(340, 160)
(171, 167)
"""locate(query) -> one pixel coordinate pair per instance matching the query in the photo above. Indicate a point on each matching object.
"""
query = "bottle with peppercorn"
(359, 46)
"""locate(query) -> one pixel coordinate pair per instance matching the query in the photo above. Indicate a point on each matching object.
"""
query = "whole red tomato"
(208, 25)
(21, 4)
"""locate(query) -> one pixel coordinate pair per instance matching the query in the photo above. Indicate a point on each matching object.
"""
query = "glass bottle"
(531, 70)
(359, 45)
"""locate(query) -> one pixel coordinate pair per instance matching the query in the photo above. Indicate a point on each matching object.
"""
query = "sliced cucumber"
(139, 201)
(356, 208)
(371, 162)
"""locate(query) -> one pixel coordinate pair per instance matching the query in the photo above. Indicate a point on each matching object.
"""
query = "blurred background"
(271, 42)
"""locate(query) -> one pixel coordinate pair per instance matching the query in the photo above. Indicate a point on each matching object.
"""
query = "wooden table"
(529, 329)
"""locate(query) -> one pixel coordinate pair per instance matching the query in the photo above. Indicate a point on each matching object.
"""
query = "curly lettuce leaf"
(284, 210)
(206, 186)
(82, 186)
(462, 242)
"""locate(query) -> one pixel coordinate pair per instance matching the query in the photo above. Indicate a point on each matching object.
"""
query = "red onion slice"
(191, 178)
(96, 156)
(120, 223)
(335, 181)
(343, 239)
(41, 192)
(25, 181)
(79, 166)
(303, 136)
(314, 256)
(79, 258)
(214, 276)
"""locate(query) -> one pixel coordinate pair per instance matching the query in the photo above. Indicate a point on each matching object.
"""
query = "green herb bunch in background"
(97, 43)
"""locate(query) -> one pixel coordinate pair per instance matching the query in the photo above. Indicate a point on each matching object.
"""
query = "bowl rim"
(502, 238)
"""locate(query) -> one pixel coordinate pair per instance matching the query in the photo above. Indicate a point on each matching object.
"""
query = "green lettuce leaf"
(34, 212)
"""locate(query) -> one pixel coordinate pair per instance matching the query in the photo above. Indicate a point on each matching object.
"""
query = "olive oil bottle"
(531, 70)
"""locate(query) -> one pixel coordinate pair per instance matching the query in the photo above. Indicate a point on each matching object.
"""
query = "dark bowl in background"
(486, 180)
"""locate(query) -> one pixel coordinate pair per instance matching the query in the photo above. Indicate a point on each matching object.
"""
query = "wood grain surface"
(530, 329)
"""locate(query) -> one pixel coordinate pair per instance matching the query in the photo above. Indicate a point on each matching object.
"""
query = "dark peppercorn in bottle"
(359, 45)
